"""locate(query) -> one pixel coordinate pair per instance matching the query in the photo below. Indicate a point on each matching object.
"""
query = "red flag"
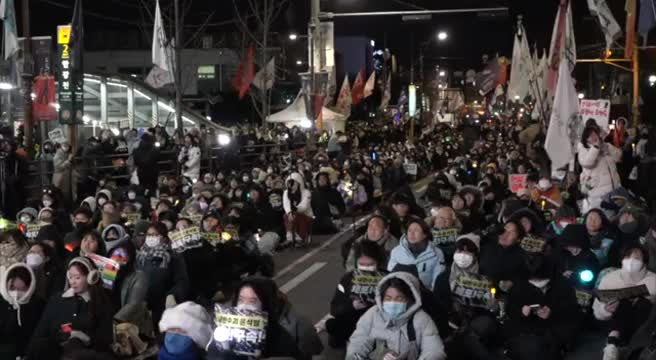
(357, 94)
(630, 8)
(244, 76)
(42, 106)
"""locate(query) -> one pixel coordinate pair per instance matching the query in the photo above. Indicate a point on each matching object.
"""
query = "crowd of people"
(502, 257)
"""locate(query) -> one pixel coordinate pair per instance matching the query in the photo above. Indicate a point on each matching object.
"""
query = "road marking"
(294, 282)
(307, 256)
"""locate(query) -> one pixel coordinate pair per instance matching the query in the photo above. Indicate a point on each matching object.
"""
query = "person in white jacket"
(297, 202)
(396, 327)
(189, 158)
(626, 316)
(598, 160)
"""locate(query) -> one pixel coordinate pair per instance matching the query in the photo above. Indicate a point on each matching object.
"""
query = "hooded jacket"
(599, 175)
(303, 206)
(29, 211)
(620, 279)
(430, 263)
(122, 237)
(90, 202)
(376, 326)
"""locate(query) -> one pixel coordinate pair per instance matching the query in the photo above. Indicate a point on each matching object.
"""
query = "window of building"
(206, 72)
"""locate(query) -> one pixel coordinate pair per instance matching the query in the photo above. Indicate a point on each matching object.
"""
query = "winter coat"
(61, 177)
(430, 263)
(304, 206)
(388, 242)
(501, 263)
(375, 328)
(133, 292)
(302, 331)
(620, 279)
(50, 279)
(585, 260)
(145, 159)
(18, 317)
(565, 317)
(189, 158)
(170, 280)
(322, 200)
(599, 175)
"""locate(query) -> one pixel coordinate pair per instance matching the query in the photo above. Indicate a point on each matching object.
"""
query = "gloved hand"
(170, 301)
(76, 334)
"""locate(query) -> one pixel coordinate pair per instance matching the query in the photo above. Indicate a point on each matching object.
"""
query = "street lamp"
(581, 96)
(652, 80)
(442, 35)
(442, 73)
(223, 139)
(6, 85)
(293, 36)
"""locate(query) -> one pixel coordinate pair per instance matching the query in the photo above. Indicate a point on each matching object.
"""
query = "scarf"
(161, 251)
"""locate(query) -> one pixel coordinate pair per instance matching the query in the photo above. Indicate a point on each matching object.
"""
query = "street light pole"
(178, 69)
(28, 120)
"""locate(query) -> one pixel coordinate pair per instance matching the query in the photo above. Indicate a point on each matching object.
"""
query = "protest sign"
(364, 285)
(445, 236)
(32, 231)
(517, 182)
(195, 218)
(612, 295)
(243, 331)
(599, 110)
(410, 169)
(584, 298)
(532, 244)
(131, 218)
(107, 268)
(473, 290)
(182, 240)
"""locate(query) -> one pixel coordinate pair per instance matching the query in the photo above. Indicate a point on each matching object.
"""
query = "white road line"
(294, 282)
(305, 257)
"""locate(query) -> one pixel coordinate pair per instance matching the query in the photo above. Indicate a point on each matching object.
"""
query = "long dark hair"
(590, 127)
(99, 301)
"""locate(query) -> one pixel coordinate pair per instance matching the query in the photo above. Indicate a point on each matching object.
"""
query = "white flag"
(8, 16)
(264, 78)
(563, 45)
(157, 77)
(344, 100)
(162, 49)
(565, 124)
(387, 93)
(607, 22)
(369, 86)
(520, 68)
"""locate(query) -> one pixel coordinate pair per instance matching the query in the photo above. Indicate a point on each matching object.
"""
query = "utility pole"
(178, 69)
(315, 8)
(636, 85)
(27, 74)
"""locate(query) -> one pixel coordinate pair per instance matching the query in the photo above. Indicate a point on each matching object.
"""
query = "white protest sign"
(599, 110)
(57, 136)
(410, 169)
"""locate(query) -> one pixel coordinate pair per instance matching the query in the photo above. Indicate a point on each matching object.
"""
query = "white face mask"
(132, 195)
(544, 184)
(370, 268)
(102, 201)
(47, 203)
(463, 260)
(16, 294)
(632, 265)
(33, 260)
(152, 240)
(248, 307)
(25, 219)
(540, 284)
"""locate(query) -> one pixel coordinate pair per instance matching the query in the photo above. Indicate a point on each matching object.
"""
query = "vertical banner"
(412, 102)
(69, 92)
(324, 57)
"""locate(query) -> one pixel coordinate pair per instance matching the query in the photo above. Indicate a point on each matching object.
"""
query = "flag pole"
(533, 79)
(28, 119)
(178, 70)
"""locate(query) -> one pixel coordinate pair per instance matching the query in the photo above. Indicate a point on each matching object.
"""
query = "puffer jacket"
(375, 327)
(305, 205)
(430, 263)
(620, 279)
(599, 175)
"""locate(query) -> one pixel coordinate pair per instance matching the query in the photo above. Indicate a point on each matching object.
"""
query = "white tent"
(295, 113)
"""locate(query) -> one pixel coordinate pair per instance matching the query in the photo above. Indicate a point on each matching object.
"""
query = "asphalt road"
(310, 275)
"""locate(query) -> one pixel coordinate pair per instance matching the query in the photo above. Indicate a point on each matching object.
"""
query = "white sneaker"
(611, 352)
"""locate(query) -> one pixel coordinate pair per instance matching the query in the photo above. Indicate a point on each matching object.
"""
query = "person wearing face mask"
(51, 200)
(27, 216)
(546, 194)
(575, 258)
(47, 268)
(377, 232)
(187, 330)
(62, 162)
(20, 309)
(82, 223)
(77, 321)
(167, 271)
(625, 316)
(113, 236)
(632, 225)
(346, 307)
(503, 260)
(397, 327)
(102, 197)
(189, 157)
(543, 314)
(416, 248)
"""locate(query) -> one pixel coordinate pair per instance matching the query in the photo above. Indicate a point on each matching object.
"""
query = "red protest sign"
(517, 182)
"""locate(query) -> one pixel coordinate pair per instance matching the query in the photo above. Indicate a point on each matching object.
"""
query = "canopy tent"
(295, 113)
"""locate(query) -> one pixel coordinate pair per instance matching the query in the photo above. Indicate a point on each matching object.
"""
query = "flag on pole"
(162, 49)
(344, 99)
(264, 78)
(77, 36)
(488, 79)
(8, 16)
(158, 77)
(357, 93)
(387, 93)
(647, 19)
(630, 8)
(520, 68)
(244, 76)
(565, 124)
(563, 45)
(369, 86)
(607, 22)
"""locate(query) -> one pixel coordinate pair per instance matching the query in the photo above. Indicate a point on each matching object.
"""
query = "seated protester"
(82, 223)
(13, 247)
(92, 243)
(89, 203)
(47, 217)
(546, 195)
(348, 305)
(396, 328)
(26, 216)
(187, 330)
(79, 320)
(203, 284)
(167, 272)
(287, 334)
(533, 241)
(476, 325)
(262, 219)
(377, 232)
(417, 248)
(632, 224)
(564, 217)
(402, 209)
(113, 236)
(353, 192)
(162, 206)
(445, 228)
(626, 315)
(102, 197)
(298, 209)
(543, 314)
(136, 197)
(473, 198)
(503, 260)
(600, 234)
(169, 219)
(327, 205)
(20, 310)
(394, 222)
(575, 258)
(139, 234)
(51, 199)
(109, 214)
(48, 272)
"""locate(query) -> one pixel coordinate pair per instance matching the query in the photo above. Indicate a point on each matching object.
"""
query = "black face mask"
(82, 227)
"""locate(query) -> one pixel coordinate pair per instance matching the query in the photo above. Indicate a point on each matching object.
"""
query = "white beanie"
(190, 317)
